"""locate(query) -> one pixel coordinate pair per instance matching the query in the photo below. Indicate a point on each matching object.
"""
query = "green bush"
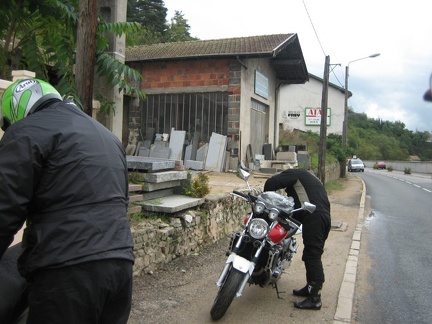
(390, 168)
(198, 186)
(407, 170)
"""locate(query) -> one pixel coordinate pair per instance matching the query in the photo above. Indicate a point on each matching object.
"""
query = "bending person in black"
(304, 186)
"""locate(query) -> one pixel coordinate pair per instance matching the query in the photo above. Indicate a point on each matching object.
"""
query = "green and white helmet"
(24, 97)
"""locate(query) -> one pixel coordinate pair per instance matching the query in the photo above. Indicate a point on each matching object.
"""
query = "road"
(394, 280)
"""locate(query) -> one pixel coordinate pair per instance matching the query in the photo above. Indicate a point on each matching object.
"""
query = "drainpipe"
(276, 125)
(241, 63)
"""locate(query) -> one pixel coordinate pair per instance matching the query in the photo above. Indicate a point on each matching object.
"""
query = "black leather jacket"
(66, 174)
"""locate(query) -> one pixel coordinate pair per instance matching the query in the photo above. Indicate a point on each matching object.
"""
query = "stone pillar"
(22, 74)
(113, 11)
(233, 131)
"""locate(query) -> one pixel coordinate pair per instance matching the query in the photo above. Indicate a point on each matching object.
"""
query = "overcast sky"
(390, 86)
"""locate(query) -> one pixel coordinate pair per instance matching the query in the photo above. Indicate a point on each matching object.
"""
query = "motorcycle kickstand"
(275, 286)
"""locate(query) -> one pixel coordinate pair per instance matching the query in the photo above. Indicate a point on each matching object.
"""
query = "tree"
(151, 15)
(41, 36)
(178, 30)
(375, 139)
(86, 53)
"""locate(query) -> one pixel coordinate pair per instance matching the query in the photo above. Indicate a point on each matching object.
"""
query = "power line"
(316, 34)
(319, 42)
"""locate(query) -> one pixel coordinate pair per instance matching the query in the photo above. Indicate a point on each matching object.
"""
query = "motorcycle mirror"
(309, 207)
(243, 174)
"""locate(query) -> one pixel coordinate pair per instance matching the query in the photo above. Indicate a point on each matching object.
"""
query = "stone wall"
(332, 172)
(158, 241)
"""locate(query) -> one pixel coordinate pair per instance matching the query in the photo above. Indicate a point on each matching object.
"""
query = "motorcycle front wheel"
(226, 294)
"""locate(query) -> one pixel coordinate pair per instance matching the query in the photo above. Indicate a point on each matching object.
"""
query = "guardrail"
(415, 166)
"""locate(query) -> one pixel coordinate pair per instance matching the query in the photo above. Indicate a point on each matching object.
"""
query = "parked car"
(356, 165)
(380, 165)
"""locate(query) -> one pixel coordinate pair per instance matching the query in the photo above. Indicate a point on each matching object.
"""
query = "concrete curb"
(346, 293)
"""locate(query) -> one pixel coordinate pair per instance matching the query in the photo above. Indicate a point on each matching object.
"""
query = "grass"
(333, 185)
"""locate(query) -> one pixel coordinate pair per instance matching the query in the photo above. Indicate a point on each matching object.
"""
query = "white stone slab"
(171, 204)
(216, 153)
(176, 144)
(194, 165)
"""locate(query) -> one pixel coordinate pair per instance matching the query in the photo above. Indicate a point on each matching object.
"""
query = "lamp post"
(345, 121)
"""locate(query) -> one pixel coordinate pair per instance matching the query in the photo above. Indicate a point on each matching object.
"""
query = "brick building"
(227, 86)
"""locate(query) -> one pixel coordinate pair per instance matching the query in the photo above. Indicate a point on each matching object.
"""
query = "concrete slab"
(158, 177)
(148, 186)
(216, 153)
(194, 165)
(202, 153)
(158, 194)
(143, 163)
(171, 204)
(177, 139)
(158, 151)
(149, 133)
(286, 156)
(143, 151)
(268, 151)
(188, 153)
(195, 141)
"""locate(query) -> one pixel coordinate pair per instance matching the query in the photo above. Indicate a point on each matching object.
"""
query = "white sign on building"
(313, 116)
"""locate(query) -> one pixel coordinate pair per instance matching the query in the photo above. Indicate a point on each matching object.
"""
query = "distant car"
(355, 165)
(380, 165)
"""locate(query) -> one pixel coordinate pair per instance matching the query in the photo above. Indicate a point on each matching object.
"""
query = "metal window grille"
(201, 113)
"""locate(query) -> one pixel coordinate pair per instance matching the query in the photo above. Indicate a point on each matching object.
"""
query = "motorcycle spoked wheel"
(226, 294)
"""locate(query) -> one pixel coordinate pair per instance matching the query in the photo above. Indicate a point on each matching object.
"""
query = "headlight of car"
(258, 228)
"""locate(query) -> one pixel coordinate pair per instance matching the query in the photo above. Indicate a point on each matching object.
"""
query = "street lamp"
(345, 121)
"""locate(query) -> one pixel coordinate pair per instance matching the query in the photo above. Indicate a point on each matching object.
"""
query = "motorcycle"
(259, 253)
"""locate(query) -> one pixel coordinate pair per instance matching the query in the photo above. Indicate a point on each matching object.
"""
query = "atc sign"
(313, 116)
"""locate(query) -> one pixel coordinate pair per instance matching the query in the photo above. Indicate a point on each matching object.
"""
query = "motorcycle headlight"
(258, 228)
(273, 214)
(259, 207)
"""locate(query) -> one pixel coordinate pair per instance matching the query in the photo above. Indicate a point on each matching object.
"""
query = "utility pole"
(345, 122)
(323, 125)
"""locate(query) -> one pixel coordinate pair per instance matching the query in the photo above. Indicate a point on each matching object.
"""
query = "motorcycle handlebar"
(247, 196)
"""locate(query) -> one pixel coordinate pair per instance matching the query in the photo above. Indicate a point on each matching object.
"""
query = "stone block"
(194, 165)
(142, 163)
(148, 186)
(157, 177)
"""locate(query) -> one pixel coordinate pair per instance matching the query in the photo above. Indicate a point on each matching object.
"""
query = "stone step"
(135, 187)
(148, 164)
(170, 204)
(135, 198)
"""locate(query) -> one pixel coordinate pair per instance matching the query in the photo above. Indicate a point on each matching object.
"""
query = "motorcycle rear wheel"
(226, 294)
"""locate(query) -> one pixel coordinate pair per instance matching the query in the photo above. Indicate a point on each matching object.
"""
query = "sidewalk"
(346, 293)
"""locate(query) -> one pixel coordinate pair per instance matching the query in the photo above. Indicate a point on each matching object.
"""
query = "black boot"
(302, 292)
(314, 299)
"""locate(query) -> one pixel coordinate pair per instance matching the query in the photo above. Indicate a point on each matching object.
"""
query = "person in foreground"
(304, 186)
(65, 175)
